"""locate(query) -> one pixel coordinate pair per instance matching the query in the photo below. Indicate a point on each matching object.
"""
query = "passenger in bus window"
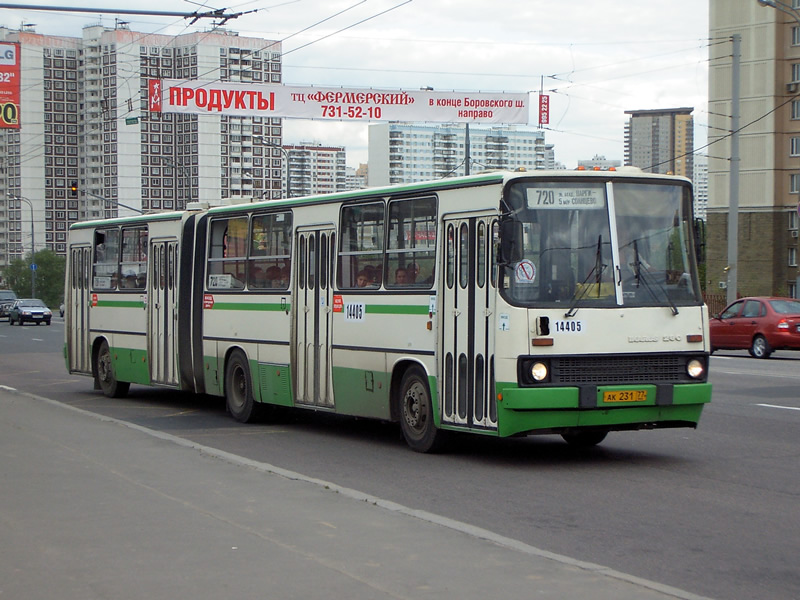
(257, 277)
(370, 271)
(413, 272)
(274, 278)
(401, 276)
(363, 279)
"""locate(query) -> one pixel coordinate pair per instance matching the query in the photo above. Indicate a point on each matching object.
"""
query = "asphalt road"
(713, 511)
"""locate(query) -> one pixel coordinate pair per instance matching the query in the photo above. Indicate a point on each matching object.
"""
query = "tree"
(50, 269)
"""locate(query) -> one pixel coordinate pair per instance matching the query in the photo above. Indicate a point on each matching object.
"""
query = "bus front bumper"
(542, 410)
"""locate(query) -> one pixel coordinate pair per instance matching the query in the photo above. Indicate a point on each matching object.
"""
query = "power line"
(217, 13)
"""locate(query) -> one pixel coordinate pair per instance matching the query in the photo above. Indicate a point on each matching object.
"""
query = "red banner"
(9, 85)
(155, 96)
(544, 109)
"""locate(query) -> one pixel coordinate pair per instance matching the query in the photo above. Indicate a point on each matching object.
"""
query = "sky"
(594, 58)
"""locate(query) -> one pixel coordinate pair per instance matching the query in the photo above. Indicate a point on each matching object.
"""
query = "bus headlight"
(539, 371)
(695, 368)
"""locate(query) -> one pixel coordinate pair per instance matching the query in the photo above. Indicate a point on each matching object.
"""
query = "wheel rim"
(759, 347)
(238, 388)
(415, 408)
(104, 372)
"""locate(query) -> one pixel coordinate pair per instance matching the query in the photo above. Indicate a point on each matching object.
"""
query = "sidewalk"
(91, 507)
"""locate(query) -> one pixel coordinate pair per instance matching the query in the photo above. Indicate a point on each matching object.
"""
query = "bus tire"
(584, 439)
(239, 388)
(104, 374)
(416, 413)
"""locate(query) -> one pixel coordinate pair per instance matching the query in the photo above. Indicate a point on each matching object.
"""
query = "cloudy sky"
(595, 58)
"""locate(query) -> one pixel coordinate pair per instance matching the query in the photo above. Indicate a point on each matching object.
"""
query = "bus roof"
(144, 218)
(485, 178)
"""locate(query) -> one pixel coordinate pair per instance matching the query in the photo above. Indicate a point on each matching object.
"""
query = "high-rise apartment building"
(405, 153)
(700, 181)
(660, 141)
(357, 178)
(315, 169)
(84, 121)
(769, 147)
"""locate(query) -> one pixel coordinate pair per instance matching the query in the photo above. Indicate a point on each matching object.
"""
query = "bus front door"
(162, 312)
(77, 306)
(466, 360)
(311, 346)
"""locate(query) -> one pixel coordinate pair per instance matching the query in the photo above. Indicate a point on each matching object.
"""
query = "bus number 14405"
(569, 327)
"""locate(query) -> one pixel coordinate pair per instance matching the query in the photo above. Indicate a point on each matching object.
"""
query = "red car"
(761, 325)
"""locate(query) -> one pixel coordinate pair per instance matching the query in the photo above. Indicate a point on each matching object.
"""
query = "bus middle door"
(162, 312)
(311, 346)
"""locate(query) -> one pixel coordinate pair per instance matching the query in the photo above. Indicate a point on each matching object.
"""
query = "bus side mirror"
(511, 236)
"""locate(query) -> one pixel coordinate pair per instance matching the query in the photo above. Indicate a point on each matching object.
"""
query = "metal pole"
(33, 243)
(286, 159)
(467, 157)
(733, 209)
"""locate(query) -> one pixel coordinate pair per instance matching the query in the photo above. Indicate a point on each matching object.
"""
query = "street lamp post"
(118, 203)
(286, 158)
(33, 243)
(783, 7)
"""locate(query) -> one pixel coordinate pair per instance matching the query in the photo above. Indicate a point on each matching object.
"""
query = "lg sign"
(8, 54)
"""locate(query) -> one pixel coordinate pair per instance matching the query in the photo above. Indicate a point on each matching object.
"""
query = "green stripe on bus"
(394, 309)
(261, 306)
(120, 303)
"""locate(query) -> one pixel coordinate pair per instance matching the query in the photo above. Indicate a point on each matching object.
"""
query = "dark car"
(31, 310)
(7, 298)
(759, 324)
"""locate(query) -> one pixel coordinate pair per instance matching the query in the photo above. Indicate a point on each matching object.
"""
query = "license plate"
(625, 396)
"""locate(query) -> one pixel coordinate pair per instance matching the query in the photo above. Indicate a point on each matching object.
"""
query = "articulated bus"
(504, 304)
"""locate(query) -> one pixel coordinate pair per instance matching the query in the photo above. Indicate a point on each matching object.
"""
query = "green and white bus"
(503, 304)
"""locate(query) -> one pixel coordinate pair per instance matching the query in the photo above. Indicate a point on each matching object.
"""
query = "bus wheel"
(416, 413)
(239, 388)
(584, 439)
(105, 374)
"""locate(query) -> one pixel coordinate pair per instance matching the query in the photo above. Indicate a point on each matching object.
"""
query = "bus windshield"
(574, 255)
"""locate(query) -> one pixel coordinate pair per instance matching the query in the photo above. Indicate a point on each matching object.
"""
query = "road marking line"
(778, 406)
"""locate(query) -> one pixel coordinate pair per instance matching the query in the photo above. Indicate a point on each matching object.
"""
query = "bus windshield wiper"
(597, 271)
(641, 276)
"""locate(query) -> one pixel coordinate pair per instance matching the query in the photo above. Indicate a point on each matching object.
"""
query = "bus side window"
(411, 247)
(105, 271)
(361, 244)
(227, 254)
(134, 258)
(270, 251)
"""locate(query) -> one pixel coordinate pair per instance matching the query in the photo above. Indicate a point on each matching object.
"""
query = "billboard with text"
(337, 104)
(9, 85)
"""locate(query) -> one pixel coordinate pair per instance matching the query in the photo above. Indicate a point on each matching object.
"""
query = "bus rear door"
(467, 336)
(77, 303)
